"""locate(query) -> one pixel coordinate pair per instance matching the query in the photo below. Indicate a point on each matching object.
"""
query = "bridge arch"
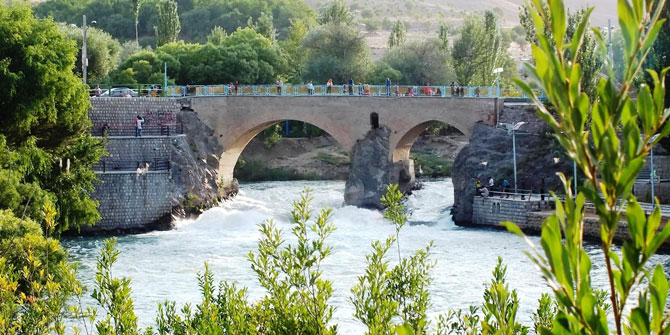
(235, 120)
(243, 135)
(405, 139)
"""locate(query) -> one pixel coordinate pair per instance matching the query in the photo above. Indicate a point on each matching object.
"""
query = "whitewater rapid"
(163, 265)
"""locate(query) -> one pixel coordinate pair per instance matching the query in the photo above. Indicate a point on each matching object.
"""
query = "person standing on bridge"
(329, 86)
(280, 84)
(388, 87)
(351, 86)
(310, 88)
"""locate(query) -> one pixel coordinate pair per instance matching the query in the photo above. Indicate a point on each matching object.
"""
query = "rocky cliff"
(195, 159)
(489, 153)
(372, 170)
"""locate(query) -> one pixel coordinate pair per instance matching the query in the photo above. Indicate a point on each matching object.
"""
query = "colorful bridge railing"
(343, 90)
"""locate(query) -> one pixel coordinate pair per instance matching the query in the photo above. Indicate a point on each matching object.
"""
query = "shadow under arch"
(234, 149)
(403, 146)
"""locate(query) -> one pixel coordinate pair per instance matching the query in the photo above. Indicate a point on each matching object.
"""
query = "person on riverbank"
(388, 87)
(329, 86)
(138, 126)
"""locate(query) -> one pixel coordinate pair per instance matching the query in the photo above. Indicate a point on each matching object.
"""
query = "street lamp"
(511, 129)
(652, 173)
(498, 71)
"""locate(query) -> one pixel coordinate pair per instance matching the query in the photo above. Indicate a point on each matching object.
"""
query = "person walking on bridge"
(329, 86)
(351, 86)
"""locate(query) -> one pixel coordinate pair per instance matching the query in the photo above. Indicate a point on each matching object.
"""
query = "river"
(163, 265)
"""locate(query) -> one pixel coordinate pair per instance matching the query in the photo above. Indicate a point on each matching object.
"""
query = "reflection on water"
(163, 265)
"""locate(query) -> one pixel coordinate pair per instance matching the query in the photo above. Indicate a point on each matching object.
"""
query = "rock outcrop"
(195, 160)
(489, 153)
(372, 170)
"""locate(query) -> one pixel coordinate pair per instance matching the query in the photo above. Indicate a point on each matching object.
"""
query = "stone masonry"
(131, 202)
(121, 112)
(491, 211)
(529, 215)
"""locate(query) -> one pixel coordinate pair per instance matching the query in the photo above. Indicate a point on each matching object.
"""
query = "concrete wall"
(132, 202)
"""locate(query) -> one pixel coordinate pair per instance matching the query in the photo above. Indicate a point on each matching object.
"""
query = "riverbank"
(321, 158)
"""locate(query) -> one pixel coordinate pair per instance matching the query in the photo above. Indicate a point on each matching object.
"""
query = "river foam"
(163, 265)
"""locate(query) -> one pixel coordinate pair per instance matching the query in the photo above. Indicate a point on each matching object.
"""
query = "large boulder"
(371, 170)
(489, 153)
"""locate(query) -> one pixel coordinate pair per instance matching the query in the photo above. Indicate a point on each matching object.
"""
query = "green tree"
(383, 70)
(36, 280)
(45, 115)
(478, 50)
(397, 36)
(293, 52)
(610, 150)
(386, 294)
(659, 57)
(265, 26)
(336, 51)
(217, 36)
(421, 62)
(590, 58)
(443, 35)
(102, 49)
(168, 27)
(337, 12)
(137, 5)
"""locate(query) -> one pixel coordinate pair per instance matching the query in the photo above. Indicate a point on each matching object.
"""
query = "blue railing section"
(344, 90)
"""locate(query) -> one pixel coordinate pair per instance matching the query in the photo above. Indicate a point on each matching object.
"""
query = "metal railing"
(344, 90)
(118, 90)
(156, 164)
(166, 129)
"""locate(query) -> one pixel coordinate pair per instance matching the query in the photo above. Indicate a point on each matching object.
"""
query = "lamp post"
(511, 129)
(497, 72)
(652, 173)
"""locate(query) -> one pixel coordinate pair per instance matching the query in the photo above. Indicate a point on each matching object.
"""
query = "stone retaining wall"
(529, 215)
(138, 148)
(121, 112)
(131, 202)
(491, 211)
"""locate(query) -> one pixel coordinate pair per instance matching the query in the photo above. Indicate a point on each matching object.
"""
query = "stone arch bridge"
(236, 120)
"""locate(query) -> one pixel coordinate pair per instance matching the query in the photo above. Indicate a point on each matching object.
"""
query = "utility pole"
(84, 56)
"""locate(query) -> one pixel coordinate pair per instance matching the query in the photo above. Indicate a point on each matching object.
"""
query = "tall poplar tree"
(443, 36)
(168, 22)
(397, 34)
